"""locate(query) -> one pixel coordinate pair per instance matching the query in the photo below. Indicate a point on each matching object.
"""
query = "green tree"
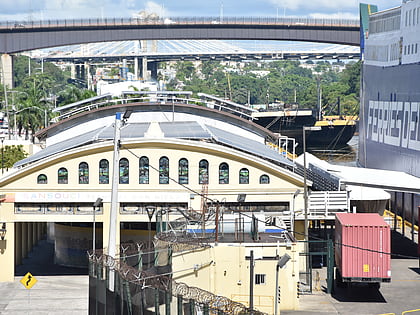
(11, 154)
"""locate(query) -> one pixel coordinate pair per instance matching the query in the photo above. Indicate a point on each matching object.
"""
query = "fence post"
(179, 304)
(157, 301)
(167, 303)
(330, 267)
(192, 307)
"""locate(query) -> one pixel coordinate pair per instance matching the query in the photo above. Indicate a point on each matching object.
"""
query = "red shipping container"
(362, 247)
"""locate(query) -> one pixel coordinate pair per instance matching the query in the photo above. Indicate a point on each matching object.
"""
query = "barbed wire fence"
(138, 291)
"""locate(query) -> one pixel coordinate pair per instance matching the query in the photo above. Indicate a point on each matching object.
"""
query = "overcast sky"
(61, 9)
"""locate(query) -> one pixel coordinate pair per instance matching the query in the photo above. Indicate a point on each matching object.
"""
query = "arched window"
(103, 171)
(63, 176)
(264, 179)
(124, 171)
(244, 176)
(83, 173)
(163, 170)
(203, 172)
(223, 173)
(183, 171)
(144, 170)
(42, 179)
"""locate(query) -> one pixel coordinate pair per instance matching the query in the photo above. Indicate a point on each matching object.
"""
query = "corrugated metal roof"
(181, 130)
(63, 146)
(186, 129)
(247, 145)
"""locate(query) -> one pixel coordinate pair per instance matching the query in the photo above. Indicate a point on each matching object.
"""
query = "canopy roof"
(189, 130)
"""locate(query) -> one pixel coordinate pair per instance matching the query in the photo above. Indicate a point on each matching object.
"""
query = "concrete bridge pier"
(73, 71)
(7, 70)
(153, 66)
(144, 74)
(136, 68)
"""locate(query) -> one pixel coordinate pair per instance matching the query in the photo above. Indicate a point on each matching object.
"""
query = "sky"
(24, 10)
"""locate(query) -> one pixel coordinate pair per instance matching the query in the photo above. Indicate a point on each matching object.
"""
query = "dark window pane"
(223, 173)
(124, 171)
(164, 170)
(203, 172)
(83, 173)
(244, 176)
(63, 176)
(103, 172)
(183, 171)
(143, 170)
(42, 179)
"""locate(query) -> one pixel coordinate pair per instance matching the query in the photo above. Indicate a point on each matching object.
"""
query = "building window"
(83, 173)
(103, 172)
(203, 172)
(144, 170)
(223, 173)
(124, 171)
(42, 179)
(259, 278)
(264, 179)
(63, 176)
(163, 170)
(244, 176)
(183, 171)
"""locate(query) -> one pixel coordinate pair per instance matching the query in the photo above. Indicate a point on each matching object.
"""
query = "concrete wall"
(224, 270)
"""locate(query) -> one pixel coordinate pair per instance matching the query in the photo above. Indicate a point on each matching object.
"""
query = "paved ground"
(59, 290)
(62, 291)
(402, 294)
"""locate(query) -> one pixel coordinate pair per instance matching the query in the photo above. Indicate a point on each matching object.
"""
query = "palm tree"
(34, 106)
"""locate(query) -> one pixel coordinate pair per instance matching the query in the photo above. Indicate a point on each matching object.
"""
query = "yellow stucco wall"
(224, 270)
(24, 182)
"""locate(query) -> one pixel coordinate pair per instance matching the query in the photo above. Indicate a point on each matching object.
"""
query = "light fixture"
(3, 231)
(241, 197)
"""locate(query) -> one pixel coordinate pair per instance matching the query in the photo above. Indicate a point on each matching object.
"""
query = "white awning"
(367, 177)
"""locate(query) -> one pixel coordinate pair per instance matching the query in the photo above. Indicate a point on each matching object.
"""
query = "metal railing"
(214, 21)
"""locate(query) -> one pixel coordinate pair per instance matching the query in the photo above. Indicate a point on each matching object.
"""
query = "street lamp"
(305, 195)
(120, 118)
(280, 264)
(96, 204)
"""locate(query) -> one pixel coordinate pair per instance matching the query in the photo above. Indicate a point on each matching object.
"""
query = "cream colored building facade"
(224, 269)
(162, 164)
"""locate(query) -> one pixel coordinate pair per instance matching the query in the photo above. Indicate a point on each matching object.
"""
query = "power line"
(255, 218)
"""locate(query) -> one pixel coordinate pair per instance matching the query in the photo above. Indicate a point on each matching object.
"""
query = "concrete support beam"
(136, 68)
(73, 71)
(153, 70)
(144, 75)
(29, 238)
(24, 239)
(18, 243)
(7, 254)
(7, 70)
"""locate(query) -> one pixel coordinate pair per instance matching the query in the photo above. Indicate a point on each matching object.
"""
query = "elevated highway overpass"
(23, 36)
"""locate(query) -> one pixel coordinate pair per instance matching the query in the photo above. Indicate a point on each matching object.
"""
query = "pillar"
(29, 237)
(153, 70)
(18, 243)
(35, 234)
(73, 71)
(24, 239)
(144, 74)
(136, 68)
(105, 227)
(7, 254)
(7, 70)
(87, 75)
